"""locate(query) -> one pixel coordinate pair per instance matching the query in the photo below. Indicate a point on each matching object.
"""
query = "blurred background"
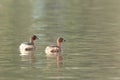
(91, 29)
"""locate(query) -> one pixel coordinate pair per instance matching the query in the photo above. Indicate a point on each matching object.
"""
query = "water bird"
(55, 50)
(27, 48)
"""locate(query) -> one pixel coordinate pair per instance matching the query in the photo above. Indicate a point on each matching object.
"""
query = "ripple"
(72, 68)
(62, 77)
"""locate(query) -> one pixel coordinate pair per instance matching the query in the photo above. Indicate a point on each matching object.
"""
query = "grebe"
(54, 50)
(28, 47)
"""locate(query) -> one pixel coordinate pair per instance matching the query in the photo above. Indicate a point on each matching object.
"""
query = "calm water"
(91, 29)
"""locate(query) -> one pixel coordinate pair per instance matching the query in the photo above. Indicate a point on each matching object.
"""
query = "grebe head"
(34, 37)
(60, 40)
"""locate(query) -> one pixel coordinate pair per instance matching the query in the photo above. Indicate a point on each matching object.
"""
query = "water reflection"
(30, 57)
(54, 61)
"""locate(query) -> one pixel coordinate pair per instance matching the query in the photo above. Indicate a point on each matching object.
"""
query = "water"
(90, 27)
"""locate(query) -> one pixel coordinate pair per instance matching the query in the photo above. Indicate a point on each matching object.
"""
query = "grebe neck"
(31, 41)
(58, 43)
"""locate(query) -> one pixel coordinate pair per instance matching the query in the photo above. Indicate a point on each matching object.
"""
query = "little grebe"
(28, 47)
(54, 50)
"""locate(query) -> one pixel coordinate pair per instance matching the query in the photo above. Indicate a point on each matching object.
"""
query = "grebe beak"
(64, 40)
